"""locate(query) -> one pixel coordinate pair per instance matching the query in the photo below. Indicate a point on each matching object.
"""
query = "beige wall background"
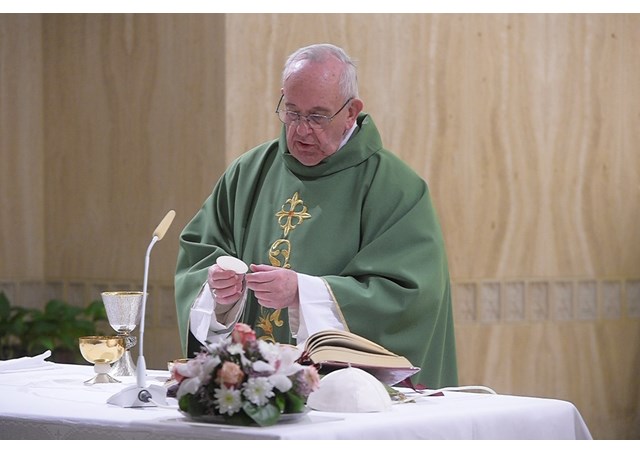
(526, 128)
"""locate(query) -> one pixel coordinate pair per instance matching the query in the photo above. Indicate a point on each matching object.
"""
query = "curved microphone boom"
(139, 395)
(158, 234)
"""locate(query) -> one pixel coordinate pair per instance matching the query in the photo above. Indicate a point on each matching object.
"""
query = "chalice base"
(101, 378)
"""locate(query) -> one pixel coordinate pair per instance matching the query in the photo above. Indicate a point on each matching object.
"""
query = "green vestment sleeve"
(362, 220)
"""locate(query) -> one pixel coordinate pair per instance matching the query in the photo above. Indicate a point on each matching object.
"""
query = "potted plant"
(29, 331)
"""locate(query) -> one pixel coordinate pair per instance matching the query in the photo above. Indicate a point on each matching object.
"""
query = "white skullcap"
(350, 390)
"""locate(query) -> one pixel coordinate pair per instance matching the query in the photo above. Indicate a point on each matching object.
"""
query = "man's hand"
(274, 287)
(225, 285)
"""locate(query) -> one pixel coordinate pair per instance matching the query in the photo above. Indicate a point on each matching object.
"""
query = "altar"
(52, 402)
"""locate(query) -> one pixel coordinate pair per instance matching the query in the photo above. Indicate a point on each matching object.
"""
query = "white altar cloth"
(54, 403)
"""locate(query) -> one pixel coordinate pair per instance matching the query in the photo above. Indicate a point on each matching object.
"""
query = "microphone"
(164, 225)
(139, 395)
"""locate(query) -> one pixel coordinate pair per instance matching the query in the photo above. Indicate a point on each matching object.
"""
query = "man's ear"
(355, 107)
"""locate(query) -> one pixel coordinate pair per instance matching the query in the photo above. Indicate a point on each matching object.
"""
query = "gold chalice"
(102, 351)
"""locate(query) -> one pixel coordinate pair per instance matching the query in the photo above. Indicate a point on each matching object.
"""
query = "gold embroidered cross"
(291, 218)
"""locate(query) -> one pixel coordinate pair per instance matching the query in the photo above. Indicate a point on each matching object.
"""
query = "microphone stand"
(139, 394)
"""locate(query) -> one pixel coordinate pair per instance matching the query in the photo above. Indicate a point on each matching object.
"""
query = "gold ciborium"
(124, 311)
(102, 351)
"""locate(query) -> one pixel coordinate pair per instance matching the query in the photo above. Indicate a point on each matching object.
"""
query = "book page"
(355, 357)
(345, 339)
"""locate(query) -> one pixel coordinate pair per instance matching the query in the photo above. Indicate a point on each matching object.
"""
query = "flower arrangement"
(244, 381)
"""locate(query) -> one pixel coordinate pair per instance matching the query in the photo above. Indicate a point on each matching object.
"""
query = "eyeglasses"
(314, 120)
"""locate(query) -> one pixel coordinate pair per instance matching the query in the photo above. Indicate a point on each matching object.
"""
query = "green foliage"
(294, 403)
(28, 331)
(266, 415)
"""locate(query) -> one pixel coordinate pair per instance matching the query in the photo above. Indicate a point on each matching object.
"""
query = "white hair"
(321, 52)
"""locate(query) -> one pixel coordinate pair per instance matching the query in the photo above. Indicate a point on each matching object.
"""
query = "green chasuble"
(361, 219)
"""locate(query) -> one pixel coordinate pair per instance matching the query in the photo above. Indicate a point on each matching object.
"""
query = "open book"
(335, 349)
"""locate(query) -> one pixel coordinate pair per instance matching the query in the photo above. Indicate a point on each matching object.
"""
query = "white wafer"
(232, 264)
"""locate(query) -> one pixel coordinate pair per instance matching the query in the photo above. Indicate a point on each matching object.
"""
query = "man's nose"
(307, 127)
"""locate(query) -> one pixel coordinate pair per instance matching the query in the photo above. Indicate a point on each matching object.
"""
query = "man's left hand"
(274, 287)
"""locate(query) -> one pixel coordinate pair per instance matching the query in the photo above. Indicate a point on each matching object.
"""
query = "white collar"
(347, 136)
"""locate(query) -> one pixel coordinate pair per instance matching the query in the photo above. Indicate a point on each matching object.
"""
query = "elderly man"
(339, 233)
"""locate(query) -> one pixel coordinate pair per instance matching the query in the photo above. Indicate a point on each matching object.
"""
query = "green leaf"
(239, 419)
(184, 403)
(95, 311)
(48, 344)
(280, 401)
(266, 415)
(5, 307)
(295, 403)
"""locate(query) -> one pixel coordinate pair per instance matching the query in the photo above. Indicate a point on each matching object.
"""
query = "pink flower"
(230, 375)
(242, 334)
(307, 381)
(175, 375)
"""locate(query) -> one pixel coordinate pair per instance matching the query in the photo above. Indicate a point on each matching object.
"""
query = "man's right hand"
(226, 286)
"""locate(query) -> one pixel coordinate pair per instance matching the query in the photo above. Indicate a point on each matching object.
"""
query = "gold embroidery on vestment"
(292, 214)
(280, 248)
(289, 218)
(267, 323)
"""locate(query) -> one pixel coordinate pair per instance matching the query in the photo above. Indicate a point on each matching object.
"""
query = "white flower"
(200, 367)
(214, 348)
(282, 363)
(261, 366)
(197, 372)
(208, 365)
(287, 364)
(228, 401)
(281, 382)
(270, 351)
(235, 349)
(189, 385)
(258, 390)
